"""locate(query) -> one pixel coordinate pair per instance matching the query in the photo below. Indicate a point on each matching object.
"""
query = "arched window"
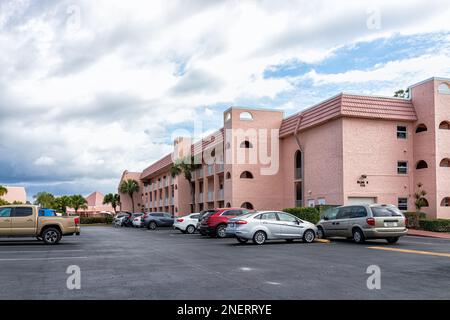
(421, 165)
(245, 116)
(228, 205)
(445, 125)
(227, 116)
(246, 175)
(444, 88)
(421, 128)
(228, 176)
(298, 165)
(246, 144)
(445, 202)
(247, 205)
(445, 163)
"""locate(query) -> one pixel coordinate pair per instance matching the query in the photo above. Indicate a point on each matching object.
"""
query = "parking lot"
(127, 263)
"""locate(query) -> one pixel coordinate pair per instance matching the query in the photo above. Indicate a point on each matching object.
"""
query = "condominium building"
(15, 194)
(347, 149)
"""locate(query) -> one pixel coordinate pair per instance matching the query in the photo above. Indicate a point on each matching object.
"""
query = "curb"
(322, 241)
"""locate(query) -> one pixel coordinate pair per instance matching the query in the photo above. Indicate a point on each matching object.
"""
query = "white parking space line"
(31, 259)
(40, 251)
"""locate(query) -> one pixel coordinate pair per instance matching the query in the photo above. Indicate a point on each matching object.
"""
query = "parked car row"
(357, 222)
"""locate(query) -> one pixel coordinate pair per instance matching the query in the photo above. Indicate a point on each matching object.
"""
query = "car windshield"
(386, 212)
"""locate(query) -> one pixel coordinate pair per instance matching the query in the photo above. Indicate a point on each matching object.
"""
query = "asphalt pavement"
(127, 263)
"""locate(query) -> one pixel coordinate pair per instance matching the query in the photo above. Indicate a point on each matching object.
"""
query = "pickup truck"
(24, 221)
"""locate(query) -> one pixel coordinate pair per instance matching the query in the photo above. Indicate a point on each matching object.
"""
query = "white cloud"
(401, 72)
(44, 161)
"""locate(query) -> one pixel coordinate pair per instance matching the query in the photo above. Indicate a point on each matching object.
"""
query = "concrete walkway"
(422, 233)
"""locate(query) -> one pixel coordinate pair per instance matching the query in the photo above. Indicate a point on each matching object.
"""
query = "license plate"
(390, 224)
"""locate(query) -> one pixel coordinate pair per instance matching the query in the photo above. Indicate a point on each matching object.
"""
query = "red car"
(215, 224)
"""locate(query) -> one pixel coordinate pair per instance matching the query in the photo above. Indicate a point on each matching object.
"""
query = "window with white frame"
(402, 167)
(403, 204)
(402, 132)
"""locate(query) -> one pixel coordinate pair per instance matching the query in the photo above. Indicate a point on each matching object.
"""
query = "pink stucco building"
(346, 149)
(15, 194)
(95, 206)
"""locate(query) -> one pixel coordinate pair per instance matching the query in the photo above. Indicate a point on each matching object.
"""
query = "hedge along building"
(345, 150)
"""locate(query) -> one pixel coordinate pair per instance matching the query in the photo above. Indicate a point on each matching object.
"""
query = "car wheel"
(358, 236)
(309, 236)
(392, 240)
(190, 229)
(320, 233)
(152, 225)
(259, 237)
(241, 240)
(221, 231)
(51, 236)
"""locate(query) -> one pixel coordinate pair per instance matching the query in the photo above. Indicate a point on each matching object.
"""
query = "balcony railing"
(210, 196)
(220, 194)
(210, 170)
(200, 197)
(199, 173)
(166, 201)
(220, 167)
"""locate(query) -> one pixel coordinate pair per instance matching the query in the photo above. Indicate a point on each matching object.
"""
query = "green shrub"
(414, 218)
(308, 214)
(96, 220)
(436, 225)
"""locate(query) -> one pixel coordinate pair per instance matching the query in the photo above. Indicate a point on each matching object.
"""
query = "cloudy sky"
(90, 88)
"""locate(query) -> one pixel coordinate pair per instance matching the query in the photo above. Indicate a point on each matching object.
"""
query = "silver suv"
(361, 222)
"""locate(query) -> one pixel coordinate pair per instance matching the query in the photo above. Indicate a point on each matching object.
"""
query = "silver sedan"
(270, 225)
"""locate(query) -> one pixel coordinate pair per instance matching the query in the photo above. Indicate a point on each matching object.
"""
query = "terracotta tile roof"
(158, 165)
(196, 148)
(346, 105)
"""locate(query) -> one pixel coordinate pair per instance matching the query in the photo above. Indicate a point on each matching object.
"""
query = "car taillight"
(76, 220)
(370, 221)
(241, 222)
(180, 220)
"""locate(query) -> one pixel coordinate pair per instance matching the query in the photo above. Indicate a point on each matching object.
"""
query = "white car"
(138, 222)
(119, 219)
(187, 224)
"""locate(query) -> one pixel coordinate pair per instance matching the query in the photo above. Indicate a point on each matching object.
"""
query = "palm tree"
(3, 190)
(129, 187)
(78, 202)
(44, 199)
(113, 199)
(61, 204)
(186, 166)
